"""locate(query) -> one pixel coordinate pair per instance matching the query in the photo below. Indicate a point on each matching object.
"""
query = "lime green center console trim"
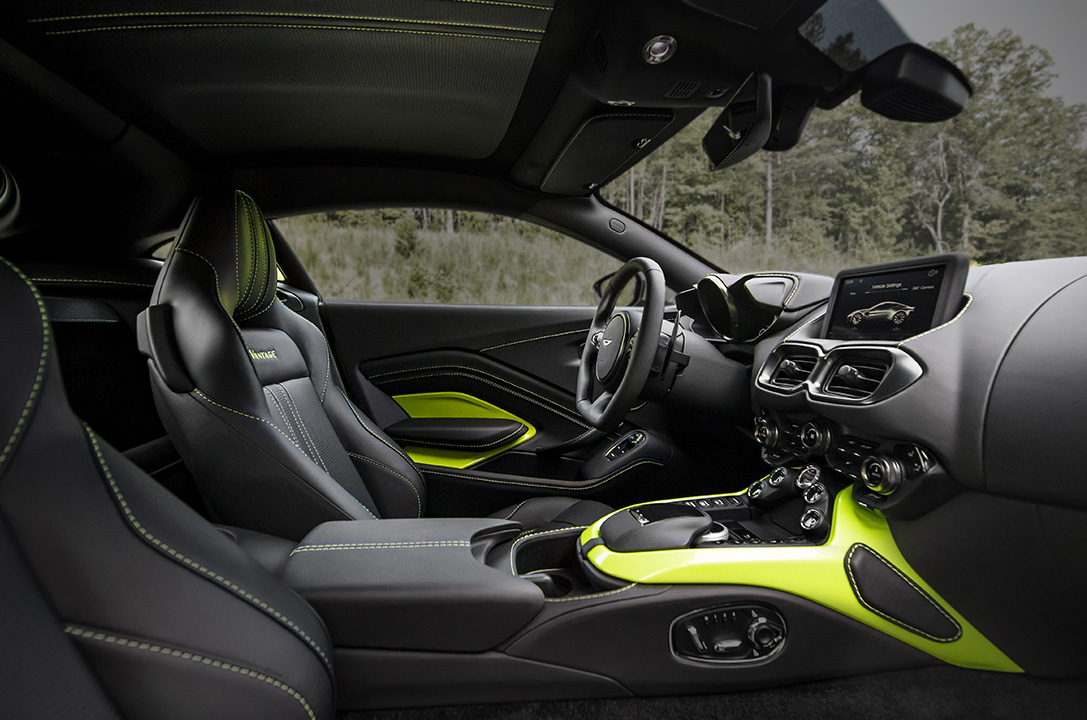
(817, 573)
(456, 405)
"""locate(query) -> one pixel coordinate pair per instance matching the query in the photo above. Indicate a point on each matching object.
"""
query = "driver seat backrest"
(248, 393)
(118, 600)
(245, 388)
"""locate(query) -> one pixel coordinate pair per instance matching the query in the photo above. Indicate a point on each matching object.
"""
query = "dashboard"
(977, 386)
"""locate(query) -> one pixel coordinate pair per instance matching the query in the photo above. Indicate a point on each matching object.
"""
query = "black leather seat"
(118, 600)
(248, 392)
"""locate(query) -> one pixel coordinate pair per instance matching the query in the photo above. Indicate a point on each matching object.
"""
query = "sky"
(1059, 26)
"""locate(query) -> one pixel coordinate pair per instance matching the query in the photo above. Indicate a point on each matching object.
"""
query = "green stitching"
(92, 282)
(36, 386)
(237, 269)
(107, 28)
(218, 288)
(593, 596)
(87, 634)
(515, 509)
(365, 427)
(131, 517)
(382, 545)
(317, 16)
(526, 536)
(912, 584)
(418, 499)
(542, 337)
(598, 483)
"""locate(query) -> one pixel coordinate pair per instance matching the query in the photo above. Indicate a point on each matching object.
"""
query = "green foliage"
(501, 262)
(1003, 181)
(407, 237)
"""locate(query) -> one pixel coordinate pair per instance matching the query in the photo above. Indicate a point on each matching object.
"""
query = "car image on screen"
(894, 311)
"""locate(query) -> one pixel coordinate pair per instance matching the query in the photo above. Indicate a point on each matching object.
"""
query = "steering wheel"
(618, 355)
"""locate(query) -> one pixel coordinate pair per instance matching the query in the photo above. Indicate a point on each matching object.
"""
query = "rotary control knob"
(766, 432)
(881, 473)
(815, 493)
(777, 477)
(815, 437)
(808, 477)
(811, 519)
(762, 634)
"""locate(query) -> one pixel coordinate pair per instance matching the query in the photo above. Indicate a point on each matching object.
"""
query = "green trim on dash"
(456, 405)
(814, 573)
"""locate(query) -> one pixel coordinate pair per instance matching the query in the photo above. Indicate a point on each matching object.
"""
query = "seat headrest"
(226, 229)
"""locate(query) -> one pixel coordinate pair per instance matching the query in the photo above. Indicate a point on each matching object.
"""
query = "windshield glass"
(1006, 180)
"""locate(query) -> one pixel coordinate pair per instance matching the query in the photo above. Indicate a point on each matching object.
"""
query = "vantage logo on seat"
(262, 355)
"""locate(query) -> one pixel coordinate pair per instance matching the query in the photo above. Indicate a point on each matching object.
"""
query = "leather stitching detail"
(912, 584)
(307, 16)
(541, 337)
(515, 509)
(593, 596)
(366, 427)
(35, 387)
(285, 26)
(405, 478)
(112, 639)
(481, 446)
(563, 488)
(218, 288)
(472, 373)
(189, 562)
(92, 282)
(237, 269)
(303, 431)
(407, 545)
(525, 536)
(952, 321)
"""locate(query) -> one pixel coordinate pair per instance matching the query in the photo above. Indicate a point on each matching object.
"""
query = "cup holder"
(550, 562)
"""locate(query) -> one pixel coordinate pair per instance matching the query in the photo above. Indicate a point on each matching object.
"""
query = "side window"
(448, 256)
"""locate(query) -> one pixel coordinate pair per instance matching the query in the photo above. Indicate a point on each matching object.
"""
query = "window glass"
(449, 256)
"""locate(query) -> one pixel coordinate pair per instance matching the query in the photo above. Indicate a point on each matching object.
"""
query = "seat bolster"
(257, 478)
(390, 475)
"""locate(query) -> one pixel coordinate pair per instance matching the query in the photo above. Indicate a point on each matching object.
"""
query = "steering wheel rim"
(608, 411)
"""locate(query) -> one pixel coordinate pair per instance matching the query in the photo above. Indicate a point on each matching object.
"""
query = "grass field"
(496, 266)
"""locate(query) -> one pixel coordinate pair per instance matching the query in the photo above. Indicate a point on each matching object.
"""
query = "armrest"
(412, 584)
(456, 433)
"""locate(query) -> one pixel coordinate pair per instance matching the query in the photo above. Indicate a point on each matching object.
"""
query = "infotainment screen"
(896, 300)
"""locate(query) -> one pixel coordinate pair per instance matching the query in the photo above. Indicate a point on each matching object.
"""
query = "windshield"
(1006, 180)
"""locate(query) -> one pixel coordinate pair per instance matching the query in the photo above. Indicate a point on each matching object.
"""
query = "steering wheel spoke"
(620, 348)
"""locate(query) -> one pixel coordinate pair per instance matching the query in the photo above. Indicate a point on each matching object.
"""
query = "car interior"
(224, 494)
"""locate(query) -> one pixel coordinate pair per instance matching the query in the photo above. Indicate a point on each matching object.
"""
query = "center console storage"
(413, 584)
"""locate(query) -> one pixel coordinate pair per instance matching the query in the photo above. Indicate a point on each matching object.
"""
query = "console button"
(767, 433)
(815, 437)
(814, 493)
(881, 473)
(808, 476)
(811, 519)
(777, 477)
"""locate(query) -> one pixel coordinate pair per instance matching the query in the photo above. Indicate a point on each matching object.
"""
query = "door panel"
(521, 360)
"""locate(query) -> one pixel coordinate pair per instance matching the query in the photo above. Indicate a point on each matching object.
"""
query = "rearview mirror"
(742, 129)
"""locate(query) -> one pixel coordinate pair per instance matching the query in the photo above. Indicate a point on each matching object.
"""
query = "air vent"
(857, 378)
(793, 370)
(600, 53)
(683, 90)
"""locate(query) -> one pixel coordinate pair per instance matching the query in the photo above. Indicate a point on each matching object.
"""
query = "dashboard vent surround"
(793, 370)
(857, 378)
